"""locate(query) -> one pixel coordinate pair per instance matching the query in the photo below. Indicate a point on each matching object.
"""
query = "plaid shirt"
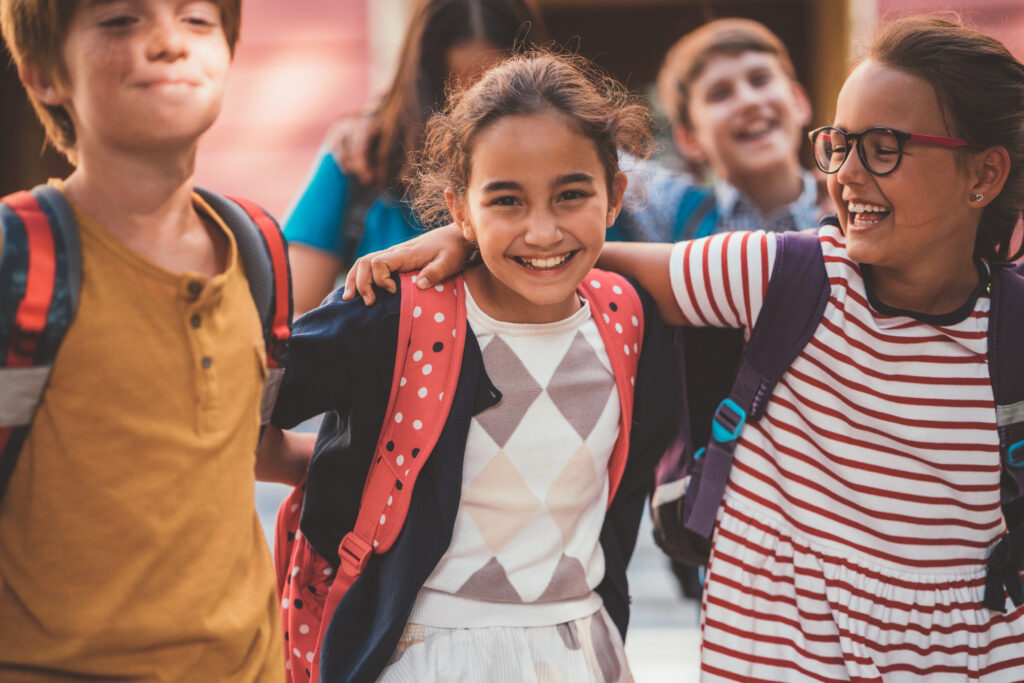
(650, 213)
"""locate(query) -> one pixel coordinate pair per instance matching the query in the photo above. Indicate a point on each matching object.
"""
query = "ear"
(686, 141)
(991, 168)
(619, 185)
(42, 85)
(801, 105)
(457, 208)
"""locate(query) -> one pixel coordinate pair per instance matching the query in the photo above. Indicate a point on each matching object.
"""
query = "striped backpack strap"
(619, 316)
(794, 303)
(1006, 370)
(696, 215)
(431, 339)
(265, 258)
(40, 276)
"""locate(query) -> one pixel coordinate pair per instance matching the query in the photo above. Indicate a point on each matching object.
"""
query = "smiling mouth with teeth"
(867, 213)
(756, 131)
(544, 263)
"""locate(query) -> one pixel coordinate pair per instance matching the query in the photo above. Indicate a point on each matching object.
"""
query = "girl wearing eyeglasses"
(862, 510)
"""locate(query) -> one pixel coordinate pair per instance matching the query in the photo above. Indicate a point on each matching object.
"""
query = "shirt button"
(196, 320)
(195, 287)
(207, 362)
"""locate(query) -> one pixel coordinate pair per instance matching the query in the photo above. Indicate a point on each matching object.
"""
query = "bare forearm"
(648, 264)
(283, 457)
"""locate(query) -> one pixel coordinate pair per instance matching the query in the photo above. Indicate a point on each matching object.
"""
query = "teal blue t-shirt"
(337, 215)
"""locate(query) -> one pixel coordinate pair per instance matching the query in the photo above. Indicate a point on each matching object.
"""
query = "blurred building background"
(300, 65)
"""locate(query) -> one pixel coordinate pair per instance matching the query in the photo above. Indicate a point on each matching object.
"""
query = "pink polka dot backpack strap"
(431, 338)
(619, 315)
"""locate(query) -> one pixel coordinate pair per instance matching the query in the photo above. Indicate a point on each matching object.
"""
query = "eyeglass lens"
(878, 149)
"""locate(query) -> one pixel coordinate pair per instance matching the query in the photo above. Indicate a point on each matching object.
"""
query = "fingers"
(444, 265)
(349, 141)
(367, 271)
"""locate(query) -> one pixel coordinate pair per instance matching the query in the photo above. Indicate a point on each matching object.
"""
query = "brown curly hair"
(541, 81)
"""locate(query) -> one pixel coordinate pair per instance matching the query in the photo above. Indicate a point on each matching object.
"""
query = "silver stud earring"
(977, 197)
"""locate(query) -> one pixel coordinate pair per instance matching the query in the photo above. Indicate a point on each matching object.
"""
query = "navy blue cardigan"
(340, 363)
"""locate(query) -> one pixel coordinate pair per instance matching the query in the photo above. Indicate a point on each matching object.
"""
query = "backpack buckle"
(354, 553)
(1015, 455)
(728, 421)
(24, 342)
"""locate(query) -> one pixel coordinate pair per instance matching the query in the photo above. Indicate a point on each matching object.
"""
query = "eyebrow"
(567, 179)
(499, 185)
(570, 178)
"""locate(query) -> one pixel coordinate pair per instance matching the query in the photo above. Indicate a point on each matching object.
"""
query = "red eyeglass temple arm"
(938, 140)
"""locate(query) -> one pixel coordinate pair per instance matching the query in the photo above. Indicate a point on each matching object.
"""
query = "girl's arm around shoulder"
(648, 265)
(716, 281)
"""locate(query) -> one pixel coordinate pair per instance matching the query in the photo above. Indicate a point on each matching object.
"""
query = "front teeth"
(865, 208)
(545, 263)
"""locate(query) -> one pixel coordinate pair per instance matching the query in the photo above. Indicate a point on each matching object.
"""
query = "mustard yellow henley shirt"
(129, 544)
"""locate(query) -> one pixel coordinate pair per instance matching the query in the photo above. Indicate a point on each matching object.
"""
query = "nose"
(543, 229)
(852, 171)
(747, 94)
(166, 39)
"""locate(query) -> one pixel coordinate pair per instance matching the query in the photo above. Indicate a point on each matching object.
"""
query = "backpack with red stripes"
(690, 481)
(311, 587)
(40, 276)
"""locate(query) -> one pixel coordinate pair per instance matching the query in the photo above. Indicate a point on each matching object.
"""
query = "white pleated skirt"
(586, 650)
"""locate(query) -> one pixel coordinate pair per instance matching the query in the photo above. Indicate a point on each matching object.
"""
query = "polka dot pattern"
(617, 311)
(305, 578)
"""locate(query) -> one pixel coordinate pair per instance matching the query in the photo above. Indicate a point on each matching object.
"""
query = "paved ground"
(663, 639)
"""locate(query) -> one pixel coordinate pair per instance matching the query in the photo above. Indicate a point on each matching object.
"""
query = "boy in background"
(737, 110)
(129, 545)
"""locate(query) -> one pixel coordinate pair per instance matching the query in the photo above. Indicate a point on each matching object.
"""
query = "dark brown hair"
(418, 88)
(594, 104)
(980, 86)
(35, 31)
(685, 61)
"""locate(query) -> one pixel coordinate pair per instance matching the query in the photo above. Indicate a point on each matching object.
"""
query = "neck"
(504, 305)
(771, 188)
(930, 289)
(129, 193)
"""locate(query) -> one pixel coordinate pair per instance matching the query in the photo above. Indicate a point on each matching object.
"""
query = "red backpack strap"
(619, 315)
(264, 256)
(431, 339)
(39, 279)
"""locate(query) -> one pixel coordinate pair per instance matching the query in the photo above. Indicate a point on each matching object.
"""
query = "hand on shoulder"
(349, 143)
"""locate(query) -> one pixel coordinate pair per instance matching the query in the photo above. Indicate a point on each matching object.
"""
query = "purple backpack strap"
(1006, 369)
(797, 293)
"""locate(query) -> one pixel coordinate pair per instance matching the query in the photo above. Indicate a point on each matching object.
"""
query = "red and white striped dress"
(853, 537)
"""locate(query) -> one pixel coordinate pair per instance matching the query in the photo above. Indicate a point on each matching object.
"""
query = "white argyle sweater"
(525, 550)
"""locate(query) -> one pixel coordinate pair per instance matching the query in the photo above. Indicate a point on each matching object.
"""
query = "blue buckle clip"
(698, 454)
(727, 425)
(1015, 455)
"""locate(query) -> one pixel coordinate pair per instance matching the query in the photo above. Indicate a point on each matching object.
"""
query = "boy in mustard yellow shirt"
(129, 545)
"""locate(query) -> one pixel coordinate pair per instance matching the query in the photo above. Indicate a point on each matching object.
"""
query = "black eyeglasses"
(880, 149)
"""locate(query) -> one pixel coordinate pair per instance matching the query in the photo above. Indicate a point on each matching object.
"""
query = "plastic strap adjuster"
(1015, 455)
(354, 553)
(728, 422)
(699, 453)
